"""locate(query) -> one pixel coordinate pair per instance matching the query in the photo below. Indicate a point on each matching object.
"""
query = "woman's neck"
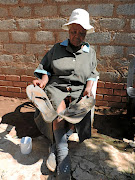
(75, 48)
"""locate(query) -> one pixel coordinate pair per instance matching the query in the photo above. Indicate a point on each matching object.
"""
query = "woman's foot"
(51, 161)
(63, 169)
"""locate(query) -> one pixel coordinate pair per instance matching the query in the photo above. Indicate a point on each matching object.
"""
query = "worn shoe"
(42, 102)
(64, 169)
(51, 161)
(78, 111)
(74, 137)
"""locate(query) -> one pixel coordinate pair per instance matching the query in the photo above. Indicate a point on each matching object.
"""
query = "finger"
(34, 83)
(41, 86)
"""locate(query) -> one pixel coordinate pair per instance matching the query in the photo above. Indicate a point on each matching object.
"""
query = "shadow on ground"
(116, 126)
(89, 159)
(23, 120)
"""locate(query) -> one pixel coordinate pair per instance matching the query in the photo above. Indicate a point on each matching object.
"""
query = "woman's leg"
(60, 135)
(59, 122)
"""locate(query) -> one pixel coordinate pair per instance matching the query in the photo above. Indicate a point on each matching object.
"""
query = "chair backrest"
(94, 87)
(131, 79)
(131, 72)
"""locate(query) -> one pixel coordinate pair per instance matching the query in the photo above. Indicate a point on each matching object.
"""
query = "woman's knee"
(59, 122)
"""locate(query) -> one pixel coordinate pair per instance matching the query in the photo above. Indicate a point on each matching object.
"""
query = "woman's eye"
(73, 32)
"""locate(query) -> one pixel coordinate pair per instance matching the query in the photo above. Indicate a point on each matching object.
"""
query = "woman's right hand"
(39, 82)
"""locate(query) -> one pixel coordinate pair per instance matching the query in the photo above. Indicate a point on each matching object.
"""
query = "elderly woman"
(67, 73)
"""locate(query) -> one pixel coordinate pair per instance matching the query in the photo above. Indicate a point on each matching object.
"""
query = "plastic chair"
(94, 88)
(130, 79)
(131, 96)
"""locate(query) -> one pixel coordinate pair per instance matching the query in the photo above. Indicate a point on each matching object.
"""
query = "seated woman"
(67, 73)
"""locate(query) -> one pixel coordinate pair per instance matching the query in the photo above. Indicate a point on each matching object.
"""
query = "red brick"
(20, 95)
(117, 105)
(27, 78)
(101, 103)
(118, 85)
(119, 92)
(12, 77)
(104, 91)
(101, 84)
(124, 99)
(99, 97)
(108, 85)
(112, 98)
(19, 84)
(7, 94)
(3, 88)
(23, 90)
(14, 89)
(2, 77)
(6, 83)
(125, 86)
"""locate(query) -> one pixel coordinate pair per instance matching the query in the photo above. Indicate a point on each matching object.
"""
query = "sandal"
(75, 113)
(42, 102)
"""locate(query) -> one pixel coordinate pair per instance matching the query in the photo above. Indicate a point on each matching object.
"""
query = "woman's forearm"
(45, 78)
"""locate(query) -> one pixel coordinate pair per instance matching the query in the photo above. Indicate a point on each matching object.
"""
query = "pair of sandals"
(73, 114)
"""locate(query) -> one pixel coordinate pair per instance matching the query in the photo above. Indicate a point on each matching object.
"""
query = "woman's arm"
(87, 91)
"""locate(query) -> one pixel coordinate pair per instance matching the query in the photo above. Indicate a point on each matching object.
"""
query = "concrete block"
(100, 9)
(25, 58)
(4, 37)
(5, 57)
(45, 11)
(112, 23)
(53, 23)
(66, 10)
(20, 11)
(8, 2)
(130, 50)
(7, 24)
(1, 48)
(132, 24)
(126, 9)
(29, 23)
(44, 36)
(112, 76)
(32, 1)
(3, 12)
(18, 36)
(13, 48)
(62, 36)
(61, 0)
(99, 38)
(124, 38)
(35, 48)
(111, 51)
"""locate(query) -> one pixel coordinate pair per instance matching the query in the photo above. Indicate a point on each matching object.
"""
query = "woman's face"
(76, 34)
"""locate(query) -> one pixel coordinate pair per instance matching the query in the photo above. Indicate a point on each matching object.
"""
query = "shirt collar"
(86, 46)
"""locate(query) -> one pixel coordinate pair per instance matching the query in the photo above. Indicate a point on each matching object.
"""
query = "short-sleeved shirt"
(67, 69)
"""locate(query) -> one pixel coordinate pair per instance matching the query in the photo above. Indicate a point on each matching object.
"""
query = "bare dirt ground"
(103, 157)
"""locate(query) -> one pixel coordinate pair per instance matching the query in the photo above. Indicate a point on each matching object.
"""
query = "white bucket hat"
(80, 16)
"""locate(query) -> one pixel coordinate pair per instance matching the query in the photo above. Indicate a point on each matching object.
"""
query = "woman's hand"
(41, 82)
(87, 91)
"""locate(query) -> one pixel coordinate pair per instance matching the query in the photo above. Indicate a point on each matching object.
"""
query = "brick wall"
(29, 28)
(108, 94)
